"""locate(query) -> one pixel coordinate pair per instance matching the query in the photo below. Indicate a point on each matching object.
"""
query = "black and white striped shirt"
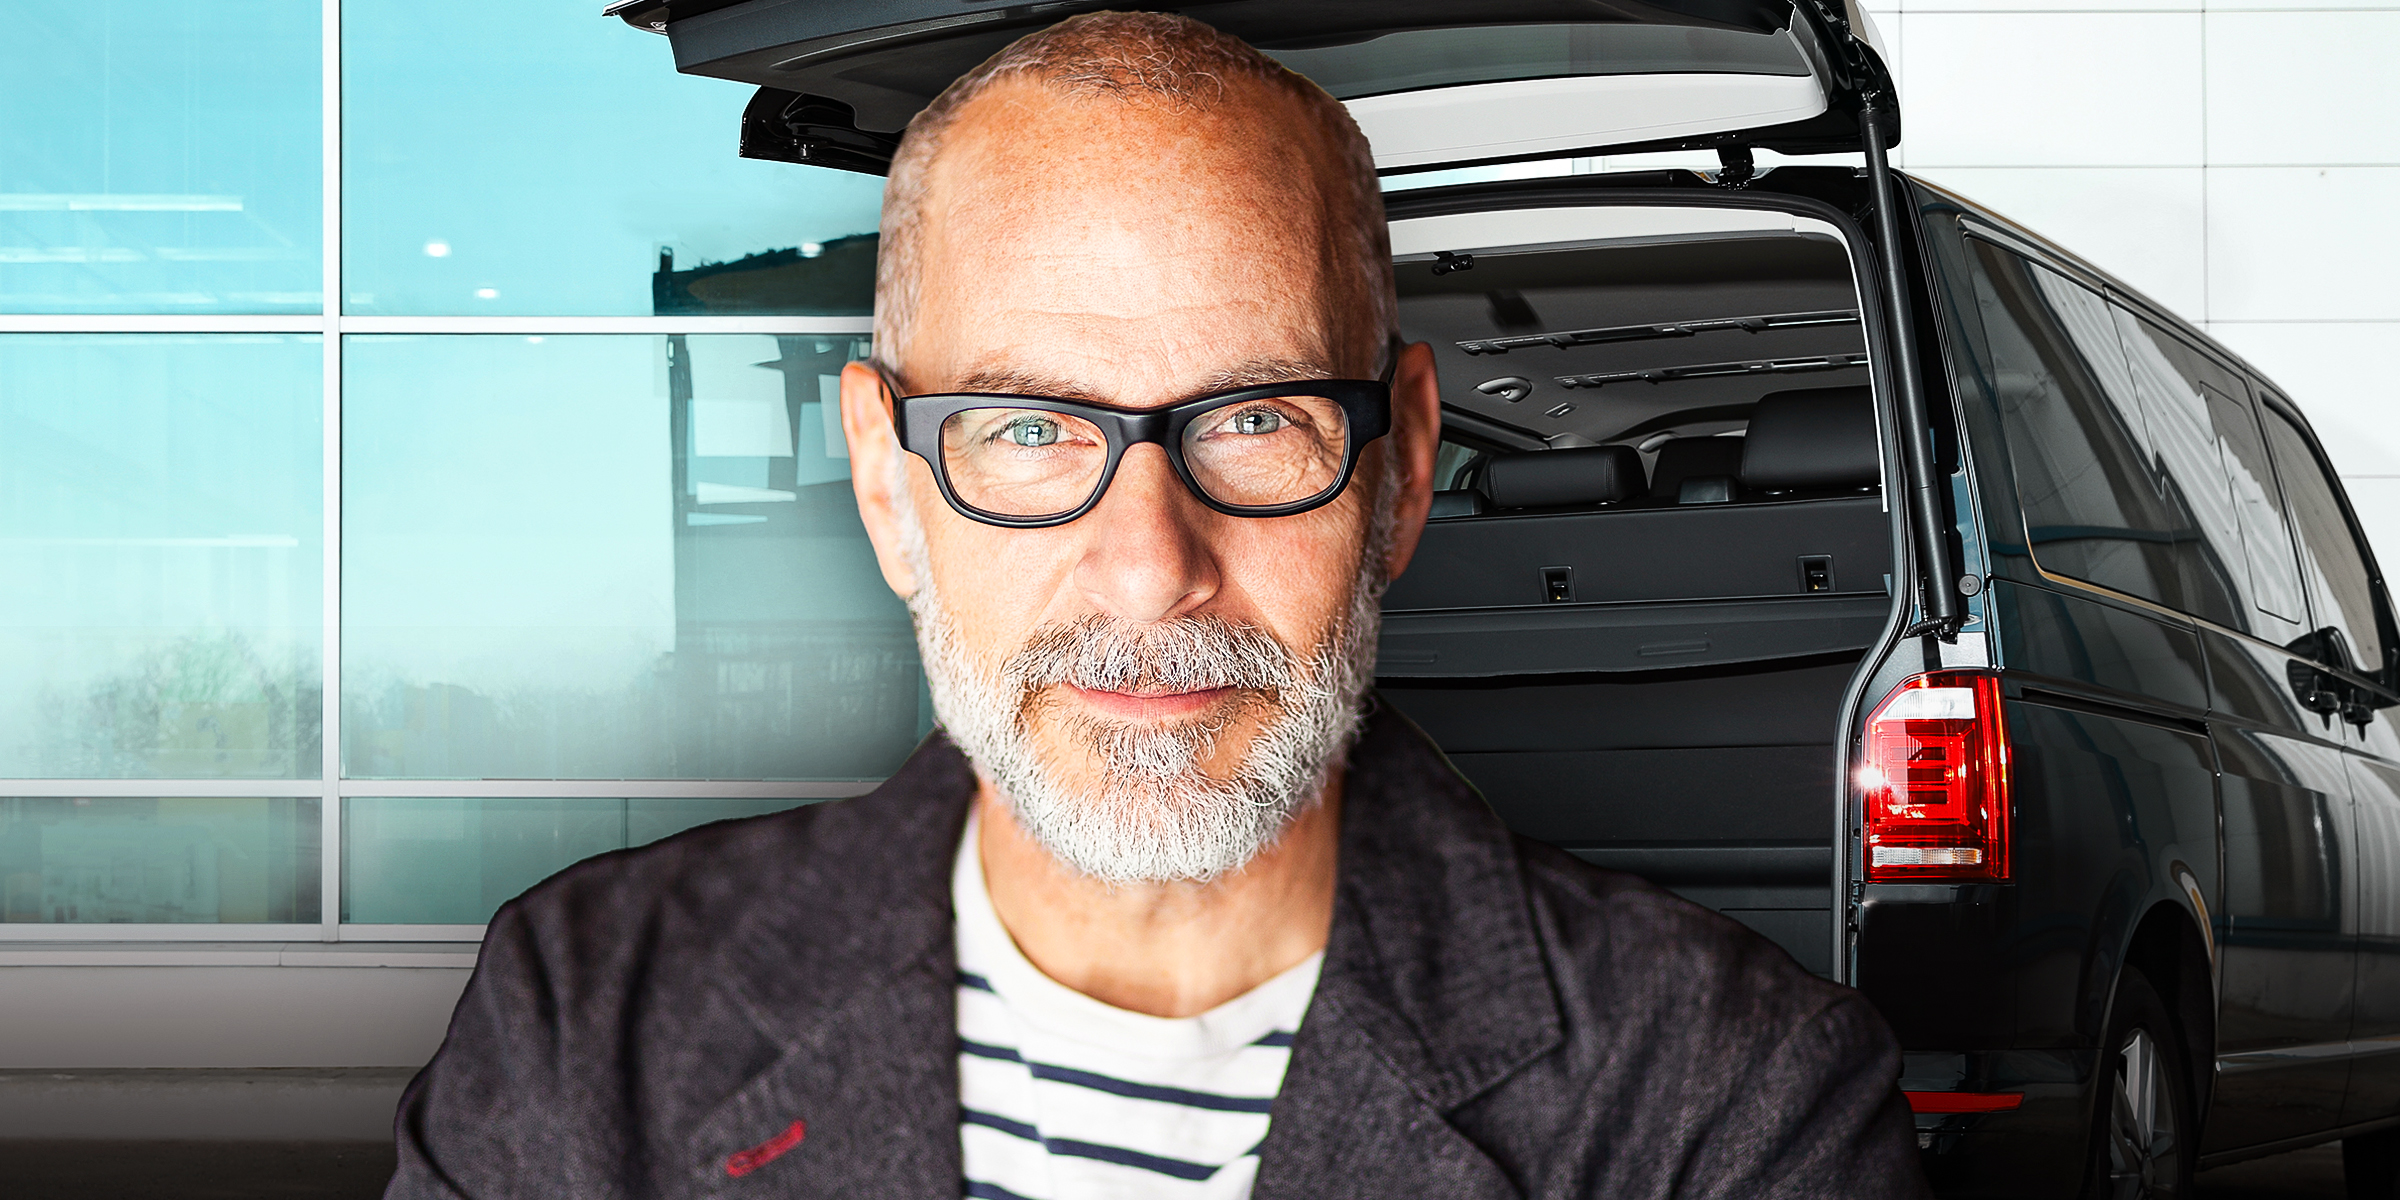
(1067, 1098)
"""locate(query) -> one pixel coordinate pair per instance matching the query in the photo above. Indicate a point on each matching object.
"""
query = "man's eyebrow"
(1018, 381)
(1263, 370)
(1015, 381)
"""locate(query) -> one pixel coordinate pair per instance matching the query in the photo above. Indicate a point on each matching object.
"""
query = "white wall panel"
(2303, 243)
(2013, 7)
(2302, 87)
(2053, 89)
(2141, 224)
(2290, 5)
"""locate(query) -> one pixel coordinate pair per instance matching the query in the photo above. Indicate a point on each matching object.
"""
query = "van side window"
(2340, 596)
(2189, 467)
(1449, 461)
(2076, 435)
(2258, 504)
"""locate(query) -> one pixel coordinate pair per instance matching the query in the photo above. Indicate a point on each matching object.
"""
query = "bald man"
(1168, 906)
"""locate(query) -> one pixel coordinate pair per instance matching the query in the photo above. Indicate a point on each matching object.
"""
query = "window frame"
(2264, 396)
(2116, 391)
(331, 788)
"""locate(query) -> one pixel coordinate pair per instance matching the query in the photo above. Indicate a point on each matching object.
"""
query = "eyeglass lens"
(1254, 453)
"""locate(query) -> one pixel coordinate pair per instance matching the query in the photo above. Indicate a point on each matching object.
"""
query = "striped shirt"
(1065, 1098)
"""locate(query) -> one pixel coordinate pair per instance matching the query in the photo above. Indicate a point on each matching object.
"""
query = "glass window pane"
(2340, 597)
(161, 156)
(537, 584)
(2266, 536)
(411, 861)
(116, 860)
(2173, 380)
(161, 532)
(2076, 436)
(543, 160)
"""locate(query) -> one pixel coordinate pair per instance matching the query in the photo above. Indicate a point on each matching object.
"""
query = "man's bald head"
(1147, 105)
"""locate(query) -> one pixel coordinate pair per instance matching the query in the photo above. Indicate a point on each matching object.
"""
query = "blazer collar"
(846, 967)
(1433, 954)
(1434, 989)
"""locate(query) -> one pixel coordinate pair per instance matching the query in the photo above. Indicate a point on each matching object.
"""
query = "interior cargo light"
(1935, 778)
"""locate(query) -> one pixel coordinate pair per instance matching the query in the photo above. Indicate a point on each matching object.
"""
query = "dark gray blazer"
(1495, 1019)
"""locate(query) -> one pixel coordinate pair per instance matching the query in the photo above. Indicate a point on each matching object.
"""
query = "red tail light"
(1936, 781)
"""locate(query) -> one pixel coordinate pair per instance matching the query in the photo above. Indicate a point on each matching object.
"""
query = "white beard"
(1156, 815)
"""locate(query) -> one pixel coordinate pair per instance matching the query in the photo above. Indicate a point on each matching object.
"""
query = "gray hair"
(1144, 58)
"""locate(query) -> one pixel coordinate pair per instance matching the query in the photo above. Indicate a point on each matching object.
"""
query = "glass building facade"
(419, 467)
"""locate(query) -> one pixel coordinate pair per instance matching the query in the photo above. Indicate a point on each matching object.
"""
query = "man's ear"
(867, 425)
(1415, 438)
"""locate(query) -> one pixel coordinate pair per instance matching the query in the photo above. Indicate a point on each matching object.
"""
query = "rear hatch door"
(1433, 85)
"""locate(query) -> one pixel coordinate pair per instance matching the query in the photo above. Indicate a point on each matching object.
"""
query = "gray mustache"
(1187, 654)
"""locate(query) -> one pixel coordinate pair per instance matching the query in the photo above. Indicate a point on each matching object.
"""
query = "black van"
(1842, 556)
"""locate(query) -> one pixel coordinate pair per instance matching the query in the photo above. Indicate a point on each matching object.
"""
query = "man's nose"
(1147, 558)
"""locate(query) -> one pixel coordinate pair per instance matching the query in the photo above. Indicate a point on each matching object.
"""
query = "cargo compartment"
(1660, 549)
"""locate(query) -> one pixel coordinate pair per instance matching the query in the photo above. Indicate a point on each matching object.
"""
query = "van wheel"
(2142, 1140)
(2371, 1165)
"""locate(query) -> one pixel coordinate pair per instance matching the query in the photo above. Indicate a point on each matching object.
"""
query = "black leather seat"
(1579, 476)
(1460, 503)
(1816, 441)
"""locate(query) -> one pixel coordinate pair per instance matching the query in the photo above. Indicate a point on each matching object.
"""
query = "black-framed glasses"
(1269, 450)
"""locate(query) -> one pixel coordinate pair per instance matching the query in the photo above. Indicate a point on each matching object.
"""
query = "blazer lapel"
(1434, 989)
(849, 973)
(1348, 1124)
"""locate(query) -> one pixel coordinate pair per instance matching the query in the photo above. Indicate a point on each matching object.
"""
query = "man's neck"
(1166, 949)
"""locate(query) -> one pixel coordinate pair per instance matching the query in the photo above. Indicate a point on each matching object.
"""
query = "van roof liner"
(1434, 83)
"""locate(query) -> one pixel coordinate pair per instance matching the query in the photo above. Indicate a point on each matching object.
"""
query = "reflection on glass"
(2173, 382)
(410, 861)
(2266, 537)
(161, 156)
(605, 155)
(161, 539)
(612, 557)
(116, 860)
(2076, 436)
(2341, 592)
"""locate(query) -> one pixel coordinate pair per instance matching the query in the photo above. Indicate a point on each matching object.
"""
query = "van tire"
(2143, 1128)
(2371, 1165)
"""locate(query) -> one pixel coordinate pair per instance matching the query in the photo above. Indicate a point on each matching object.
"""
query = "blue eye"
(1258, 420)
(1030, 431)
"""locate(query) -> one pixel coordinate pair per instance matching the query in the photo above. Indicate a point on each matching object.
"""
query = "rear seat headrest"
(1821, 437)
(1681, 458)
(1553, 478)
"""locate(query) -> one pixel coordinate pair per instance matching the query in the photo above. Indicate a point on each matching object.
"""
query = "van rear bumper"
(2036, 1150)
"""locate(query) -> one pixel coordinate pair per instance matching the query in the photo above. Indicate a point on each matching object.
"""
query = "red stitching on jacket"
(743, 1162)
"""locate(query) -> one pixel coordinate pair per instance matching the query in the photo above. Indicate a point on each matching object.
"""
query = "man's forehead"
(1009, 373)
(1129, 254)
(1024, 159)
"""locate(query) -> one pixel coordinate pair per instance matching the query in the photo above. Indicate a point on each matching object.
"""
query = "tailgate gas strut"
(1937, 590)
